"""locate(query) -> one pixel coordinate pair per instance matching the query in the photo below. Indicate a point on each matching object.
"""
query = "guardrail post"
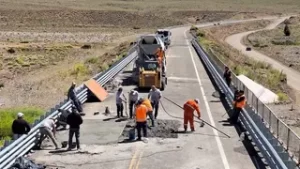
(277, 128)
(288, 139)
(256, 105)
(270, 119)
(263, 113)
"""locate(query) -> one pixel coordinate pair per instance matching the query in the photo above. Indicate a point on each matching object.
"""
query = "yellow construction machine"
(148, 70)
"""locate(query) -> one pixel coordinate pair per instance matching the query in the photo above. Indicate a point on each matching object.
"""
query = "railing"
(263, 127)
(14, 149)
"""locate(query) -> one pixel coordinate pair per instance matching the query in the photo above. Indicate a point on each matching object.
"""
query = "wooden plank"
(96, 89)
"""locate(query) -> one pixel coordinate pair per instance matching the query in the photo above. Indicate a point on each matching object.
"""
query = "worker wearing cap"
(154, 96)
(147, 103)
(238, 104)
(120, 98)
(133, 98)
(141, 118)
(72, 96)
(189, 107)
(48, 129)
(20, 126)
(74, 120)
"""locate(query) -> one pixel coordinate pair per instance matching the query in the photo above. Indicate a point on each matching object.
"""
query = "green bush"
(8, 115)
(282, 97)
(80, 69)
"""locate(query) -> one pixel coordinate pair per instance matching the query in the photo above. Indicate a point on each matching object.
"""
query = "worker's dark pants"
(150, 114)
(73, 131)
(120, 108)
(131, 105)
(141, 126)
(236, 113)
(228, 81)
(77, 104)
(155, 106)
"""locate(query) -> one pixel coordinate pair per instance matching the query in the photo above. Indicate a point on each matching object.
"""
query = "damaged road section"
(162, 129)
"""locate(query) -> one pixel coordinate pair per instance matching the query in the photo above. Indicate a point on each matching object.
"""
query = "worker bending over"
(133, 98)
(147, 103)
(141, 119)
(189, 107)
(154, 95)
(238, 105)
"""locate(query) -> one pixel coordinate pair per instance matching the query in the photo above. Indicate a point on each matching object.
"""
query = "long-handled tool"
(200, 119)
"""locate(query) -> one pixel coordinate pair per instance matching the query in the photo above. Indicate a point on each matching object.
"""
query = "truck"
(165, 35)
(147, 69)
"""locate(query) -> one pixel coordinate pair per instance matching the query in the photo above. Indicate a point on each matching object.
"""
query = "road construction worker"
(48, 129)
(141, 118)
(160, 55)
(154, 96)
(20, 126)
(72, 96)
(227, 76)
(74, 120)
(147, 103)
(238, 105)
(120, 98)
(133, 98)
(189, 107)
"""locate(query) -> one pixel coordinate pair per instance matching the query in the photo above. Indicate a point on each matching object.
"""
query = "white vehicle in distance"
(165, 35)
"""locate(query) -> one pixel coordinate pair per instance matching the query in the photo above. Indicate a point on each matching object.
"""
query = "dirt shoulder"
(274, 43)
(213, 42)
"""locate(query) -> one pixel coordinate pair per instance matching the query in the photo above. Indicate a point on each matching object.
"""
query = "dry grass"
(258, 71)
(274, 44)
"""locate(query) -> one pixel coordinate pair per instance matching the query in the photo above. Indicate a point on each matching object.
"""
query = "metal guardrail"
(14, 149)
(252, 118)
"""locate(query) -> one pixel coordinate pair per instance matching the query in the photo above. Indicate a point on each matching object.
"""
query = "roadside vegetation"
(260, 72)
(275, 44)
(8, 115)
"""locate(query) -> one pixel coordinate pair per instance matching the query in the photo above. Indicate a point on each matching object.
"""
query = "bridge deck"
(204, 148)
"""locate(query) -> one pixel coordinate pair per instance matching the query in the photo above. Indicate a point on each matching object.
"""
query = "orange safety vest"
(242, 103)
(141, 113)
(190, 106)
(147, 103)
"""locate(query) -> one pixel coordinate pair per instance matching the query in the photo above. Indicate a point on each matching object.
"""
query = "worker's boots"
(192, 129)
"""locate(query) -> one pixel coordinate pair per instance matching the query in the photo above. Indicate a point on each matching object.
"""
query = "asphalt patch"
(162, 129)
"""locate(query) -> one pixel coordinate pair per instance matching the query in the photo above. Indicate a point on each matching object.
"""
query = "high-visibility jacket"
(160, 53)
(240, 102)
(147, 103)
(190, 106)
(141, 113)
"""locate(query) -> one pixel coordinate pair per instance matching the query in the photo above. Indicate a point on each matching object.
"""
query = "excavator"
(148, 69)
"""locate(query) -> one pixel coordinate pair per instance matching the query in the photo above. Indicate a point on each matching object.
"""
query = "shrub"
(80, 69)
(9, 114)
(282, 97)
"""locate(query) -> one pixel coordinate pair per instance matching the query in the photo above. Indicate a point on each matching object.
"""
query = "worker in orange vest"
(238, 104)
(147, 103)
(189, 107)
(160, 55)
(141, 118)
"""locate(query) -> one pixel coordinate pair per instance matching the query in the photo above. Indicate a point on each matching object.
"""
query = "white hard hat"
(197, 100)
(20, 114)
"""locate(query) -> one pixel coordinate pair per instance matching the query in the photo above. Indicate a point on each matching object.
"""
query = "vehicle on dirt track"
(165, 35)
(148, 70)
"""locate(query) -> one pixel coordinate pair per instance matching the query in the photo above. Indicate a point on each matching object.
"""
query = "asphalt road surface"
(203, 149)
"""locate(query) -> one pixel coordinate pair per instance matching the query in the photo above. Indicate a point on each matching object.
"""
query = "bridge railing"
(273, 138)
(15, 148)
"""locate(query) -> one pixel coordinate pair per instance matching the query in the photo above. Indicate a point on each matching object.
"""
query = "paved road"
(206, 148)
(293, 76)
